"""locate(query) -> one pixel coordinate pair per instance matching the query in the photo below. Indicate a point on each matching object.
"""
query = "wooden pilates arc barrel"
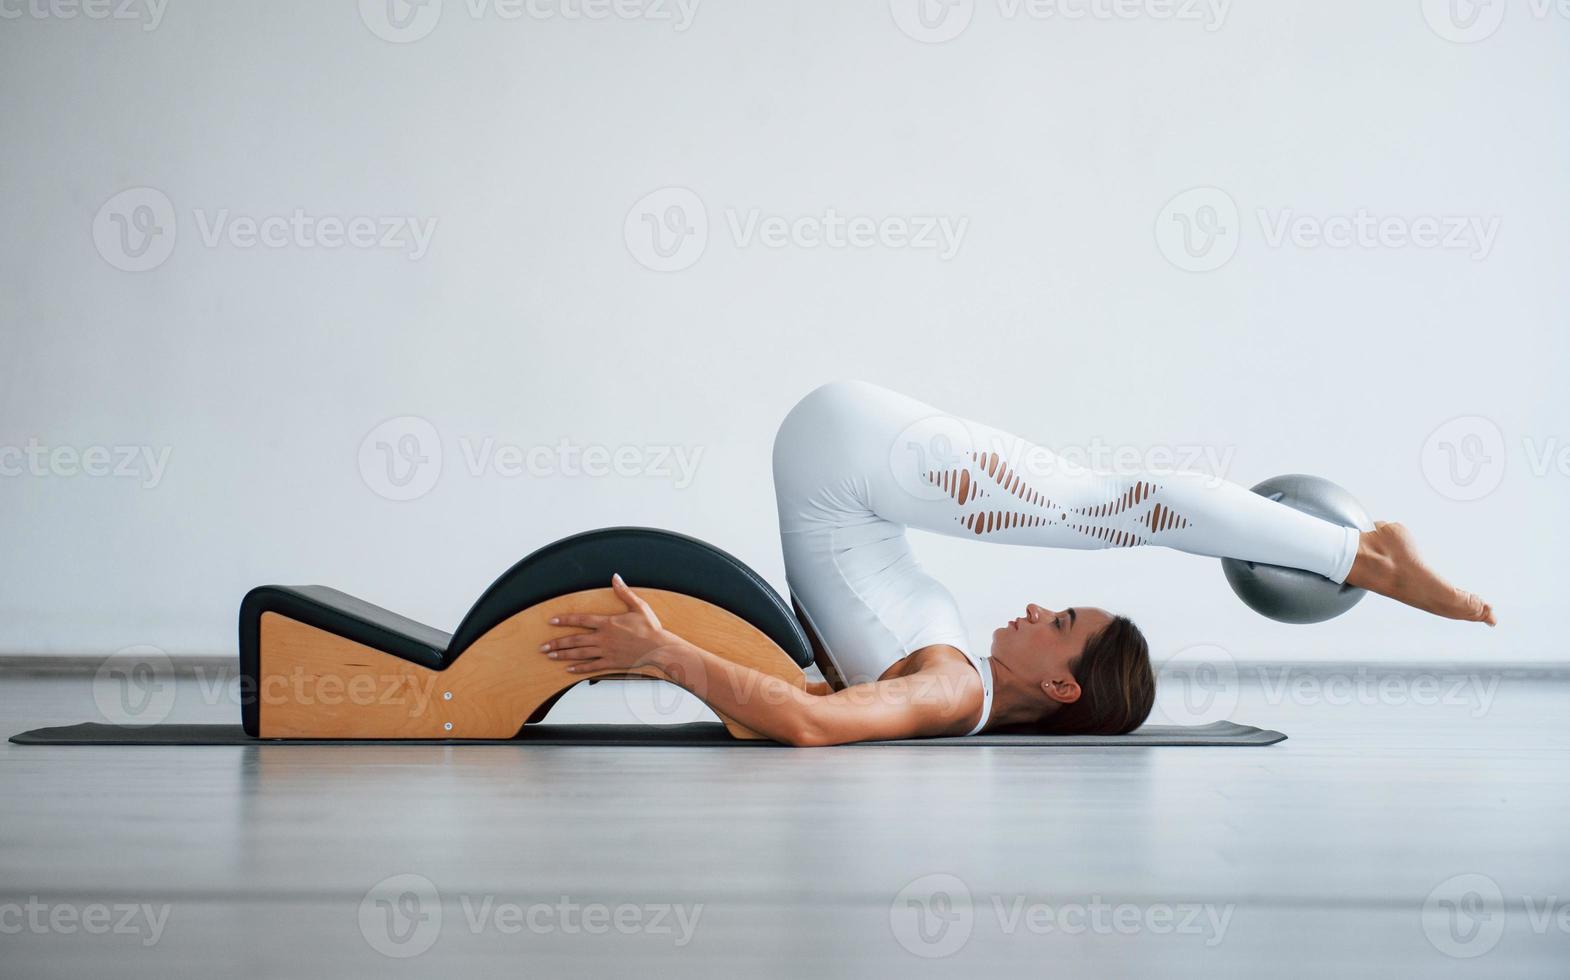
(324, 664)
(312, 683)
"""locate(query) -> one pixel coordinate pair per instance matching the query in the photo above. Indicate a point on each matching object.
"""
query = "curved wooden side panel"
(315, 684)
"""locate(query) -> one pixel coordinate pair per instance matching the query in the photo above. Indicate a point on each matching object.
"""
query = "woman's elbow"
(806, 732)
(804, 737)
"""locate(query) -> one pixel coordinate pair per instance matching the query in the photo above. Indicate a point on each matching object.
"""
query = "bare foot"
(1387, 562)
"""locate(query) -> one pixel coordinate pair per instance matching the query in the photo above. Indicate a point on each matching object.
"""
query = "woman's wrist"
(671, 655)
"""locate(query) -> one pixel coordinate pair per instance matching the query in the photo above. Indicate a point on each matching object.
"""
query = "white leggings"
(855, 465)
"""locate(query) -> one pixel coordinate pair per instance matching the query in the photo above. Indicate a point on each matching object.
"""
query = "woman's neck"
(1015, 700)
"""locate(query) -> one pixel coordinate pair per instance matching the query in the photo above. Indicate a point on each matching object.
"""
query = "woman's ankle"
(1373, 568)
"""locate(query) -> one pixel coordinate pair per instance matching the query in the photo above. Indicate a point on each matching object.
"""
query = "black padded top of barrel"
(646, 558)
(344, 615)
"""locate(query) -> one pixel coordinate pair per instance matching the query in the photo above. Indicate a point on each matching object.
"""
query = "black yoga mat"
(695, 733)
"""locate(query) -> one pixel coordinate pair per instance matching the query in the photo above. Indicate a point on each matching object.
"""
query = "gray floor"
(1315, 857)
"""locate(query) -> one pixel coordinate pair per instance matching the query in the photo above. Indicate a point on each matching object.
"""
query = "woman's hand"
(618, 642)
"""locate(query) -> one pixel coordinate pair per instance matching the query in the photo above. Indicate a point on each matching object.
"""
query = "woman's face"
(1046, 641)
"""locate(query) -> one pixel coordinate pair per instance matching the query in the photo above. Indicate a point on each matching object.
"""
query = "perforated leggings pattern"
(1131, 518)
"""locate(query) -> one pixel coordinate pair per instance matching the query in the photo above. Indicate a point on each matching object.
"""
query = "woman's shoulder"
(938, 657)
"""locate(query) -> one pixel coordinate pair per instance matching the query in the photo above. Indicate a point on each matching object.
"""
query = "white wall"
(529, 319)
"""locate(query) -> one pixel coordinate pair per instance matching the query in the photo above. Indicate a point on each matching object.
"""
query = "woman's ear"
(1064, 691)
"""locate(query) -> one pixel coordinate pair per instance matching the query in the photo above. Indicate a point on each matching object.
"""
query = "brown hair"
(1116, 683)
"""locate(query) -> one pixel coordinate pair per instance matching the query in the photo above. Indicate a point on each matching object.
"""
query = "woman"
(855, 465)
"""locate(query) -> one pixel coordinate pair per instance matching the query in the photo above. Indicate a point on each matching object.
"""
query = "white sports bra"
(984, 667)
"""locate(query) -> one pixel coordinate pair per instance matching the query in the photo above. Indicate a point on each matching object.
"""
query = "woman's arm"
(913, 706)
(929, 702)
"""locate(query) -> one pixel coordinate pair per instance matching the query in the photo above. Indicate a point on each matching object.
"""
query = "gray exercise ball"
(1292, 595)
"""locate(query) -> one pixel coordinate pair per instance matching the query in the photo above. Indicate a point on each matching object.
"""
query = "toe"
(1477, 610)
